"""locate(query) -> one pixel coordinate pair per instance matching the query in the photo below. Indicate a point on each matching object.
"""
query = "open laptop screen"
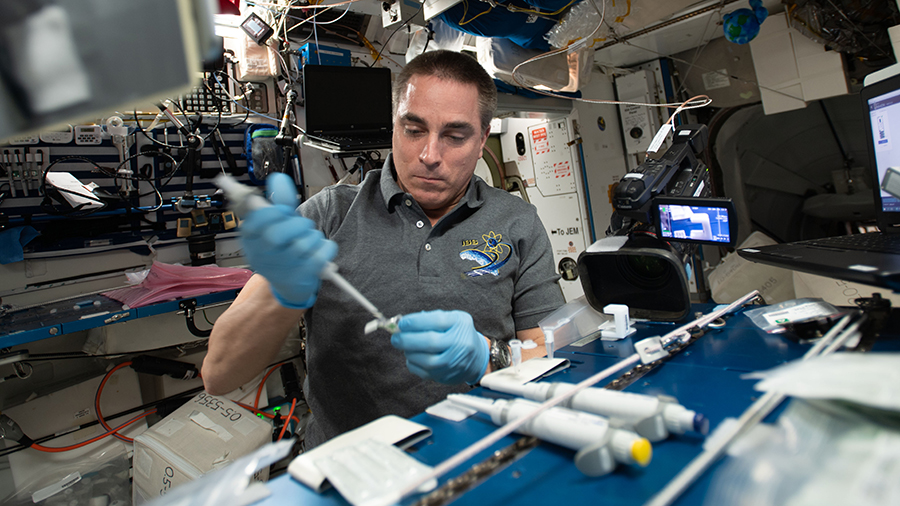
(344, 100)
(882, 101)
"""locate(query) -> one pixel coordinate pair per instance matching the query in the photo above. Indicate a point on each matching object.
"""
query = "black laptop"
(347, 108)
(874, 258)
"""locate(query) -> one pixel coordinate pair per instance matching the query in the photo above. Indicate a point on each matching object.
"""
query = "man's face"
(437, 141)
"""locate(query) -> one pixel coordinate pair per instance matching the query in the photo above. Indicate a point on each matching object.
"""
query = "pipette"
(653, 417)
(243, 200)
(600, 447)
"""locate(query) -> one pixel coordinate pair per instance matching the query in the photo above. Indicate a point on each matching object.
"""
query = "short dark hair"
(453, 66)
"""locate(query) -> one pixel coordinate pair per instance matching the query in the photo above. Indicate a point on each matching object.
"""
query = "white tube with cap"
(515, 349)
(600, 447)
(548, 342)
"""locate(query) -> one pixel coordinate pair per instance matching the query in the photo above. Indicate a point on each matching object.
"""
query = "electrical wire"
(466, 11)
(378, 56)
(513, 8)
(262, 383)
(20, 447)
(149, 180)
(244, 96)
(261, 412)
(235, 101)
(700, 48)
(114, 431)
(290, 415)
(316, 36)
(77, 210)
(154, 140)
(713, 71)
(97, 402)
(205, 317)
(195, 127)
(699, 101)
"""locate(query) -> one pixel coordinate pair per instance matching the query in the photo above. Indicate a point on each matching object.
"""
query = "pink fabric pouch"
(166, 282)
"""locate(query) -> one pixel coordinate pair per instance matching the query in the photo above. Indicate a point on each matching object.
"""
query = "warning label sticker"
(539, 141)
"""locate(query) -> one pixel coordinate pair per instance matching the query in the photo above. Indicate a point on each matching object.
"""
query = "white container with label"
(205, 434)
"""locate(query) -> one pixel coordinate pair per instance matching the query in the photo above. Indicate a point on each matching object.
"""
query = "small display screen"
(256, 28)
(700, 223)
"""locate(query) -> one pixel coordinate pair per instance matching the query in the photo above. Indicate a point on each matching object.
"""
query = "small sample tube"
(515, 349)
(548, 342)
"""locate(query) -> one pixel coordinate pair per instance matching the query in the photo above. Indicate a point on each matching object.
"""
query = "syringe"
(243, 200)
(600, 447)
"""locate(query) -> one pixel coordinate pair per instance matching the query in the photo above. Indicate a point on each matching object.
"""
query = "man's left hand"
(443, 346)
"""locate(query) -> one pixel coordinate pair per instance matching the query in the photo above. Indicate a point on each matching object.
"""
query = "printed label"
(716, 79)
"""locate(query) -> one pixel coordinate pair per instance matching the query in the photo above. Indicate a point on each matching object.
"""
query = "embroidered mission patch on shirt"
(490, 257)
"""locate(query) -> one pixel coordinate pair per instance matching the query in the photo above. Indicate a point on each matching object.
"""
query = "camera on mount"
(662, 212)
(678, 173)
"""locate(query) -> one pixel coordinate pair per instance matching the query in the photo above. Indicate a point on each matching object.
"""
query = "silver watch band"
(501, 357)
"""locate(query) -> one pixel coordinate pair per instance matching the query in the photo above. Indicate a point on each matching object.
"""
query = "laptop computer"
(347, 108)
(873, 258)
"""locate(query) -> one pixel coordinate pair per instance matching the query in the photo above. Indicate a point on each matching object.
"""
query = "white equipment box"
(204, 435)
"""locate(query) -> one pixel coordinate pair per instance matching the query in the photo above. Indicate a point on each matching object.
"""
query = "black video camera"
(646, 269)
(678, 173)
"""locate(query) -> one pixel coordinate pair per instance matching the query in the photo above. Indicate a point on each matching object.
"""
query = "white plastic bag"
(870, 379)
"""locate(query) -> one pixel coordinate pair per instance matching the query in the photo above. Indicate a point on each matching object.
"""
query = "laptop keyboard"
(877, 243)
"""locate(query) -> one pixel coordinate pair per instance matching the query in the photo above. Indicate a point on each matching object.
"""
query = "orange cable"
(290, 415)
(94, 439)
(97, 402)
(263, 383)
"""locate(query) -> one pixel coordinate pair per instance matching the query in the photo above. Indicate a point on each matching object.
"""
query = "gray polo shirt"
(490, 256)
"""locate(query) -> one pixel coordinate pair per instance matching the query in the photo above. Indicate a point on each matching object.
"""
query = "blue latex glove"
(284, 247)
(443, 346)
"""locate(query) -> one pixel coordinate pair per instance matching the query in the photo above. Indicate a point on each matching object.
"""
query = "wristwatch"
(500, 354)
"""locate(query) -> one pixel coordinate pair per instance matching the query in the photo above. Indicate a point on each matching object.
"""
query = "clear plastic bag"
(233, 485)
(102, 479)
(581, 21)
(870, 379)
(819, 453)
(773, 319)
(166, 281)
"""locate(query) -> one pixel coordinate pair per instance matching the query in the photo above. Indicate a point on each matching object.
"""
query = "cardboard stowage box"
(204, 435)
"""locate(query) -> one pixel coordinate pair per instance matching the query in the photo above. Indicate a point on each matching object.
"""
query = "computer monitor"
(346, 100)
(881, 101)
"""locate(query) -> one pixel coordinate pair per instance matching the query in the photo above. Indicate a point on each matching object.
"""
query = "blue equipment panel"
(65, 317)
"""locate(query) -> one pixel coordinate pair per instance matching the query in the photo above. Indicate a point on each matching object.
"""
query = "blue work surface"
(739, 346)
(705, 377)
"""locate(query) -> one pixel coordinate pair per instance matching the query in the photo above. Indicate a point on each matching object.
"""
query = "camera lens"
(202, 249)
(646, 272)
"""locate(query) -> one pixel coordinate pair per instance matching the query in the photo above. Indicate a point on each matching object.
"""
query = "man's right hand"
(284, 247)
